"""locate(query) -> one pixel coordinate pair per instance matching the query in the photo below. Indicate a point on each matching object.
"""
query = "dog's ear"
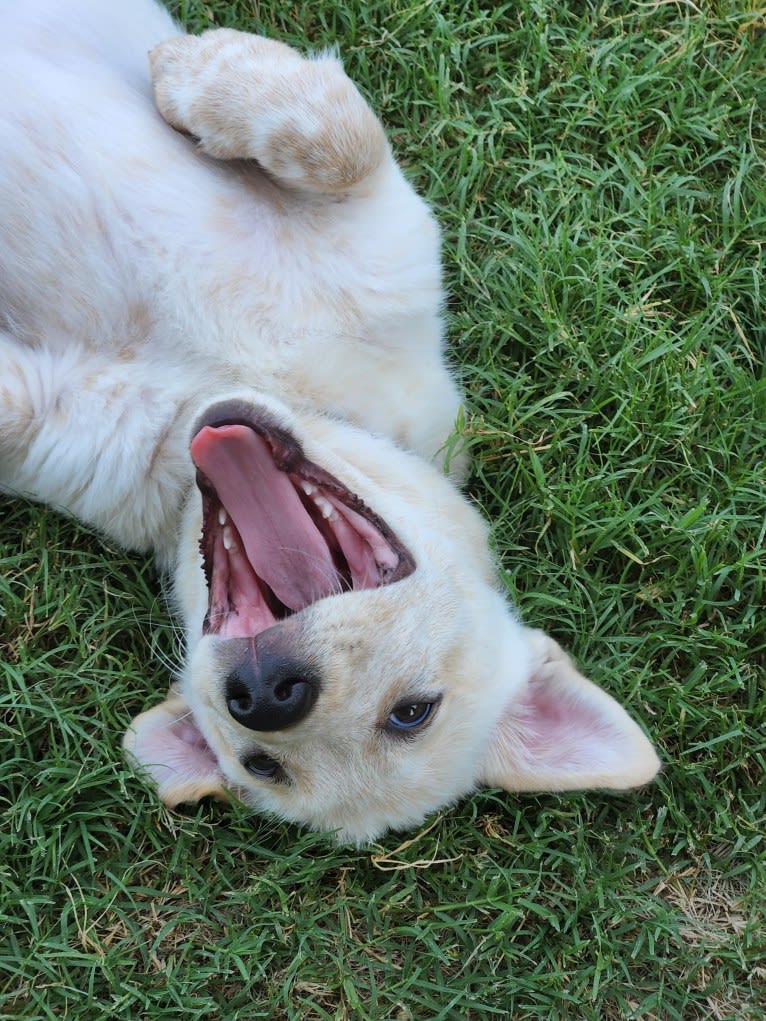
(562, 732)
(166, 745)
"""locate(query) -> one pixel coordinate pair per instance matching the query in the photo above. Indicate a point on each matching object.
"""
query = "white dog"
(211, 268)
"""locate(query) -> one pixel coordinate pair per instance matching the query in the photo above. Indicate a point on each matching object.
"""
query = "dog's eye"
(265, 768)
(410, 715)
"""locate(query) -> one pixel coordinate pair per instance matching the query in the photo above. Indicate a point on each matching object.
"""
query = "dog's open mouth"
(278, 531)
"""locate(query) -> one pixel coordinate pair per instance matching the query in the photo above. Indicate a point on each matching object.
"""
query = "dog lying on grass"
(220, 341)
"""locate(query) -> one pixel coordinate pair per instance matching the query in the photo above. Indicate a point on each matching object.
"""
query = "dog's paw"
(246, 97)
(197, 81)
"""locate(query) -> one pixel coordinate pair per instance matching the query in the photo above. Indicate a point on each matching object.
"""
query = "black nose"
(268, 690)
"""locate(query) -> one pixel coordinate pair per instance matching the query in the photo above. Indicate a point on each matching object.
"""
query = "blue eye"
(410, 715)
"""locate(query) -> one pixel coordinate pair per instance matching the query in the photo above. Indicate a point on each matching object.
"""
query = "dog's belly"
(119, 237)
(118, 234)
(115, 232)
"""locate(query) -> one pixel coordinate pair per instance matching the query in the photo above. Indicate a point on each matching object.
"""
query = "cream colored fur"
(146, 273)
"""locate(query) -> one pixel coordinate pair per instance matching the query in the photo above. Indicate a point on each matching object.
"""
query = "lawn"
(598, 170)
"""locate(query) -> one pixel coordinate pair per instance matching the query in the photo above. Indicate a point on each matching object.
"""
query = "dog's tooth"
(307, 488)
(228, 538)
(326, 509)
(223, 517)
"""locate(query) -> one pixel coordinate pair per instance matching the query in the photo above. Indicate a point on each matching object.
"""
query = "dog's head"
(351, 664)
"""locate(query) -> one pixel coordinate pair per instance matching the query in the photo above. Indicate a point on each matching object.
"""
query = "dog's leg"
(246, 97)
(94, 437)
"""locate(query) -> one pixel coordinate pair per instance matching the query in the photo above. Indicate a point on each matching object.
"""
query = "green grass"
(598, 169)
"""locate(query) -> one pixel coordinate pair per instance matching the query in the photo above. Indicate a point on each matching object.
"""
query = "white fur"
(142, 278)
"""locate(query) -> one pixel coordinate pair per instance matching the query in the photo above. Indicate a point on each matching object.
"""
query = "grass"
(598, 169)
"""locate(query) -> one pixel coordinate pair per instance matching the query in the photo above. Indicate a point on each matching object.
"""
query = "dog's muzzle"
(266, 688)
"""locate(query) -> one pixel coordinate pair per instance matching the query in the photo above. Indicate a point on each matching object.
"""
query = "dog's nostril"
(238, 697)
(284, 689)
(240, 704)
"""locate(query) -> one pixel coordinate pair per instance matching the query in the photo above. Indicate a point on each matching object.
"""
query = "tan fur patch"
(245, 97)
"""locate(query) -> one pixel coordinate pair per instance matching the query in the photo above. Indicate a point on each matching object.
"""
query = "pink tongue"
(283, 544)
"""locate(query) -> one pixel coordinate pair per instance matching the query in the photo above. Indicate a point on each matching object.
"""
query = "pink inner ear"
(170, 747)
(182, 748)
(562, 731)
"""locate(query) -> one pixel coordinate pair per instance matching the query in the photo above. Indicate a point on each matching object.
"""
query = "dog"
(221, 342)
